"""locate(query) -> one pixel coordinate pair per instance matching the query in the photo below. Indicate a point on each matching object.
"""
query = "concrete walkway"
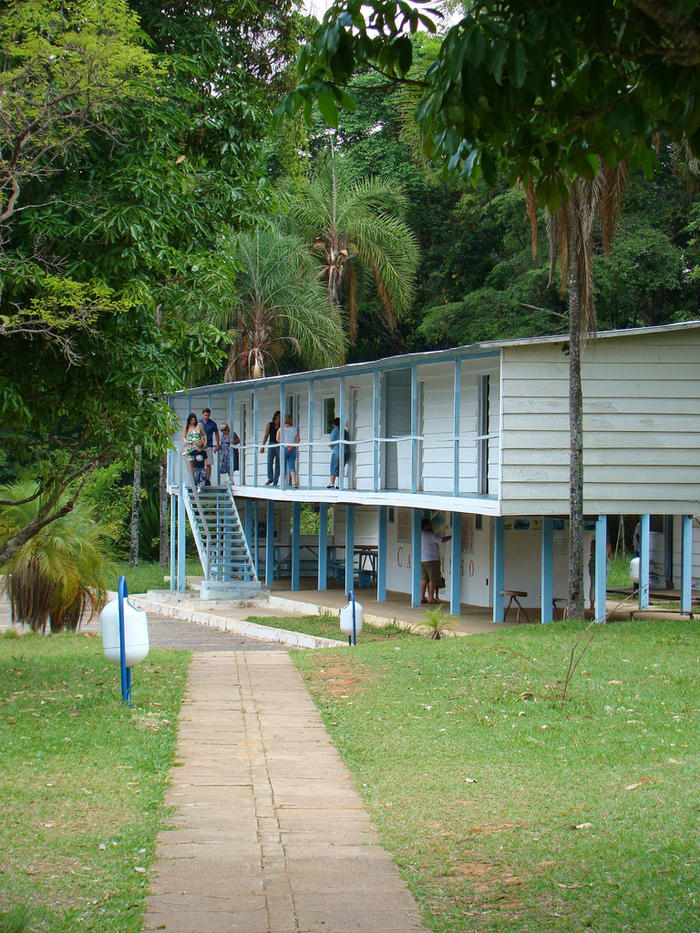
(269, 835)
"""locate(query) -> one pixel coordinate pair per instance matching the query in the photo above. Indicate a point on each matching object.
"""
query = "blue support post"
(310, 480)
(457, 425)
(249, 525)
(341, 449)
(668, 551)
(416, 519)
(256, 450)
(349, 548)
(296, 545)
(547, 570)
(125, 672)
(644, 561)
(283, 402)
(181, 540)
(499, 566)
(686, 562)
(601, 567)
(375, 430)
(173, 542)
(456, 561)
(382, 521)
(323, 546)
(270, 543)
(414, 428)
(256, 538)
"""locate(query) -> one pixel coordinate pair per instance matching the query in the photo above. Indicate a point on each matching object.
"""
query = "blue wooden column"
(283, 404)
(456, 426)
(382, 520)
(173, 541)
(414, 428)
(547, 570)
(668, 551)
(249, 525)
(349, 548)
(181, 542)
(375, 431)
(270, 543)
(310, 480)
(416, 519)
(296, 544)
(643, 561)
(323, 546)
(601, 567)
(256, 537)
(499, 566)
(256, 451)
(456, 561)
(686, 562)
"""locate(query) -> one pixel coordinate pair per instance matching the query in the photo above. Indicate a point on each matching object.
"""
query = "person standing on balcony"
(273, 450)
(211, 429)
(288, 436)
(335, 453)
(193, 437)
(430, 561)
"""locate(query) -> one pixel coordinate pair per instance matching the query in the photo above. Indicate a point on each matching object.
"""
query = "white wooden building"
(478, 438)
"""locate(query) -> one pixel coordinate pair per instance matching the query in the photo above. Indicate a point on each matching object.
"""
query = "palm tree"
(571, 238)
(357, 225)
(61, 571)
(280, 306)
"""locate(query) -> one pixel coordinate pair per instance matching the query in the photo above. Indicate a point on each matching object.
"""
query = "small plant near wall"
(437, 623)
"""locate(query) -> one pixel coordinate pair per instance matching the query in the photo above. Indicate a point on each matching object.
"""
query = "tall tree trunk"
(575, 608)
(163, 537)
(135, 499)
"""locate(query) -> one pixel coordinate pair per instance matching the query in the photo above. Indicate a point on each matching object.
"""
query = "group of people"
(285, 436)
(202, 440)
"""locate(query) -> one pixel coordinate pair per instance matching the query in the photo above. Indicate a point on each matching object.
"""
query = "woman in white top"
(288, 436)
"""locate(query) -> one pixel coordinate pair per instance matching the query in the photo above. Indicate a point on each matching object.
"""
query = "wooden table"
(515, 596)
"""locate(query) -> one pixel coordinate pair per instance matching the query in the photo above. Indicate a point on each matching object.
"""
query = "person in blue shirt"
(211, 429)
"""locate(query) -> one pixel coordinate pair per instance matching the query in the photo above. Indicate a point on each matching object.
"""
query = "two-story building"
(475, 437)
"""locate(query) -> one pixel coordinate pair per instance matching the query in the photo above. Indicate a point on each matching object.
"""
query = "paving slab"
(267, 833)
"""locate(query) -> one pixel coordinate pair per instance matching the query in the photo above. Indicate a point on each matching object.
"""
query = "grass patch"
(84, 780)
(509, 810)
(149, 576)
(328, 626)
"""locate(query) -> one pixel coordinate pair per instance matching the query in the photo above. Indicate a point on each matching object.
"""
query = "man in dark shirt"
(211, 429)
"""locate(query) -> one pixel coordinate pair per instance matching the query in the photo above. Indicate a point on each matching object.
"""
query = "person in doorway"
(211, 429)
(430, 572)
(273, 450)
(288, 436)
(193, 437)
(335, 453)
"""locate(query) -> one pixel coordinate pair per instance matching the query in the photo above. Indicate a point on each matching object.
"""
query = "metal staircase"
(229, 571)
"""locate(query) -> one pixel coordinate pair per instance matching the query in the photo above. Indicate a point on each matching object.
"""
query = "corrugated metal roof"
(473, 351)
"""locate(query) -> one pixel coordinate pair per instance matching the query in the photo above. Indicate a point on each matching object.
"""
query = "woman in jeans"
(273, 450)
(288, 436)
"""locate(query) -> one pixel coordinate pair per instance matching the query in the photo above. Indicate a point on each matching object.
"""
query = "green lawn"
(328, 626)
(84, 779)
(148, 575)
(507, 809)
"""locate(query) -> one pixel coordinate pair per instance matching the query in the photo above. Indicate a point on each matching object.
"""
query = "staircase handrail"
(203, 547)
(237, 519)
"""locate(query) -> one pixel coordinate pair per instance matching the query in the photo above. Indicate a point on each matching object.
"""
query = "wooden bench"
(559, 607)
(514, 597)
